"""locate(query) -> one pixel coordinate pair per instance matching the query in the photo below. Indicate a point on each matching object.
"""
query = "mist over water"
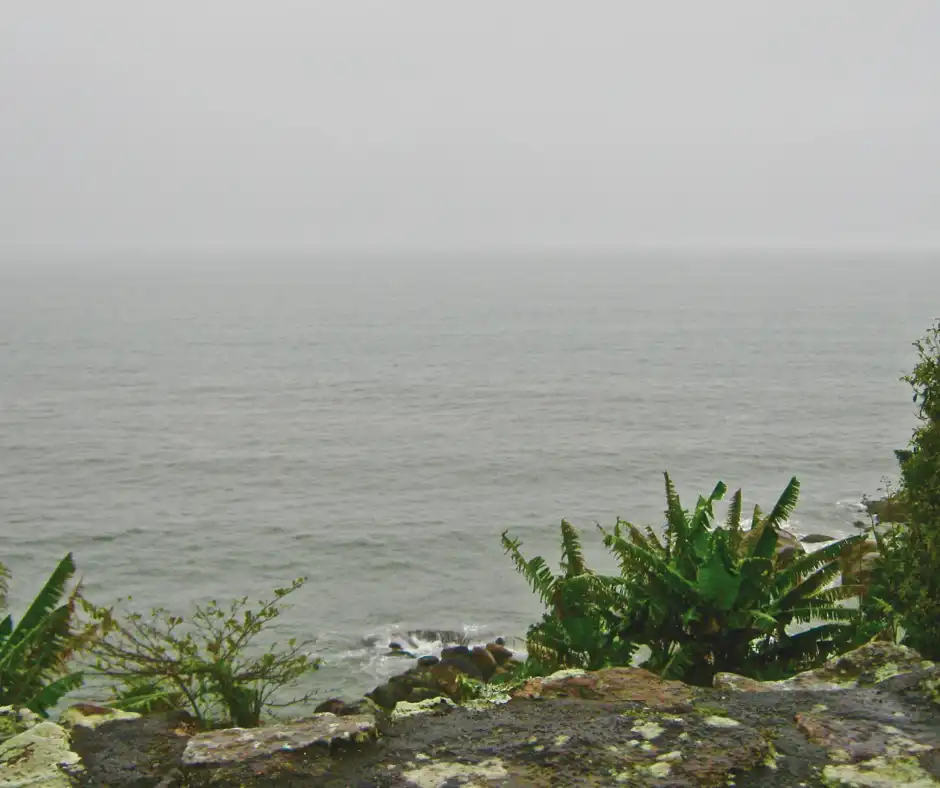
(196, 432)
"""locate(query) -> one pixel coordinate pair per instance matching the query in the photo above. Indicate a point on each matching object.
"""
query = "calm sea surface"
(375, 426)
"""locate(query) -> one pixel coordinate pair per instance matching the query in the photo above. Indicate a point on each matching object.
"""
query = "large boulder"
(500, 653)
(40, 756)
(14, 720)
(484, 661)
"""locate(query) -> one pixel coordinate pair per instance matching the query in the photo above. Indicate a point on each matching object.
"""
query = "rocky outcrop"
(444, 676)
(40, 756)
(240, 746)
(872, 664)
(869, 719)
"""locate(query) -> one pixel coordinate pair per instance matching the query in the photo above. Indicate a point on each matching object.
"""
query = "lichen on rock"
(40, 756)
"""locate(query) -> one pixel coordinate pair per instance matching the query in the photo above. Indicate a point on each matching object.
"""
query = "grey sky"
(431, 124)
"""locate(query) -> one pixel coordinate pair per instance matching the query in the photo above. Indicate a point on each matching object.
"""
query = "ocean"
(198, 430)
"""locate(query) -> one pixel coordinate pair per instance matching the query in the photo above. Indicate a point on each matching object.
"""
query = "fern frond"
(756, 518)
(635, 560)
(733, 521)
(572, 557)
(785, 505)
(802, 592)
(677, 525)
(535, 571)
(812, 561)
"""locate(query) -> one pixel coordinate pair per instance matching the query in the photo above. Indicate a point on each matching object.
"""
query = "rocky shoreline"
(870, 718)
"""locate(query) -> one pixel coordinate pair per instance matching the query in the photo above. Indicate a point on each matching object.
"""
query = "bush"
(581, 628)
(36, 653)
(207, 665)
(918, 549)
(704, 598)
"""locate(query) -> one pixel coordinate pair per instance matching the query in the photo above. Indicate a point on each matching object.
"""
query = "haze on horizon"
(368, 126)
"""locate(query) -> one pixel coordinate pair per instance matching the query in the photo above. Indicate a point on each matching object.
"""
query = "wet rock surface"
(40, 756)
(877, 724)
(232, 746)
(141, 752)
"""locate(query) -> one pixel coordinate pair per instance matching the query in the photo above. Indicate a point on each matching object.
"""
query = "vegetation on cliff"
(917, 562)
(207, 664)
(36, 653)
(703, 598)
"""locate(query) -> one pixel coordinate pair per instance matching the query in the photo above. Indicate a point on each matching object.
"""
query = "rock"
(16, 720)
(500, 653)
(817, 539)
(451, 652)
(214, 749)
(389, 694)
(426, 662)
(737, 683)
(623, 726)
(484, 660)
(143, 751)
(446, 679)
(434, 705)
(396, 650)
(90, 716)
(866, 666)
(465, 665)
(40, 756)
(610, 684)
(338, 707)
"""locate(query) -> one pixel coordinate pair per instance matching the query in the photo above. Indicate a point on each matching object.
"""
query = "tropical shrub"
(581, 627)
(709, 598)
(703, 598)
(918, 548)
(36, 652)
(208, 664)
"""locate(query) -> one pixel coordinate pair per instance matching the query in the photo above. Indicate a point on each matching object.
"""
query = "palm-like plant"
(35, 653)
(708, 598)
(581, 627)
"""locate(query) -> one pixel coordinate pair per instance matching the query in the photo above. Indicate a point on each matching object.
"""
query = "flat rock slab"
(610, 684)
(40, 756)
(217, 749)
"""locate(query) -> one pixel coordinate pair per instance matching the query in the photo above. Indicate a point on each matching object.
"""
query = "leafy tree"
(918, 591)
(581, 626)
(36, 652)
(208, 664)
(709, 598)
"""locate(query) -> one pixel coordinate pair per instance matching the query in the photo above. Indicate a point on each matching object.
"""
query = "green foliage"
(918, 592)
(35, 654)
(581, 627)
(704, 598)
(208, 664)
(712, 598)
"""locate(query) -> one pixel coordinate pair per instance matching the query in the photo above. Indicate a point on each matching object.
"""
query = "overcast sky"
(414, 124)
